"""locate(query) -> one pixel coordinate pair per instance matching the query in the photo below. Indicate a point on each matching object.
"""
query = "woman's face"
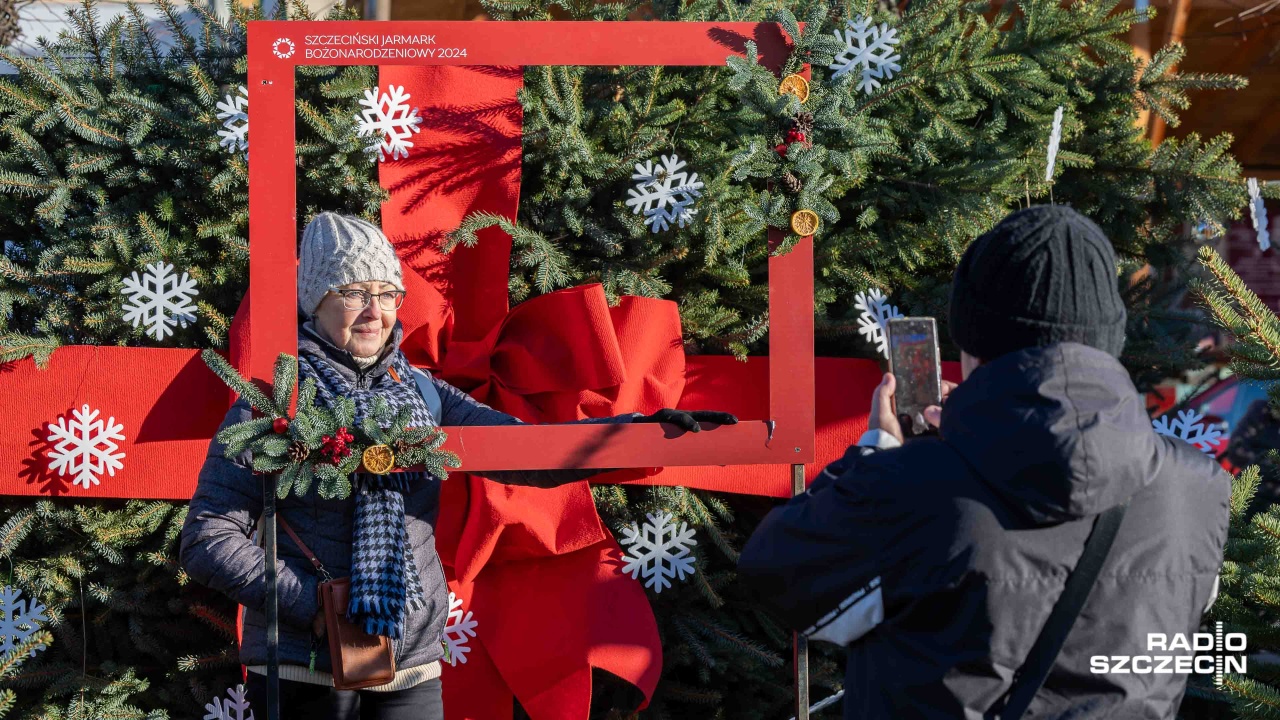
(362, 333)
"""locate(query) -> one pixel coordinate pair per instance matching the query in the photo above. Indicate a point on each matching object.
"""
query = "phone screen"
(913, 360)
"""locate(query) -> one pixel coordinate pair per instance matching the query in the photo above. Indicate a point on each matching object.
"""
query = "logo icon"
(283, 48)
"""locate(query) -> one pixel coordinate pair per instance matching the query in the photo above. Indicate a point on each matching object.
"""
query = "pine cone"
(402, 447)
(804, 122)
(298, 451)
(10, 30)
(792, 182)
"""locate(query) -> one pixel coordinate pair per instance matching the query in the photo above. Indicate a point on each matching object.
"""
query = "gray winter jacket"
(216, 549)
(937, 563)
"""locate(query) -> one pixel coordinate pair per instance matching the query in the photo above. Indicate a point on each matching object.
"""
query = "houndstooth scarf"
(384, 579)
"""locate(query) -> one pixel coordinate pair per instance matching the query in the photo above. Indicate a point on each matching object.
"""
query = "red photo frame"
(276, 48)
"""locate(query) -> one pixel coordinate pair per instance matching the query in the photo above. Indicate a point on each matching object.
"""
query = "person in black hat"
(937, 562)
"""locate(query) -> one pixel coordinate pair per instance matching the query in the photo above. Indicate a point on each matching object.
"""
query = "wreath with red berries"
(321, 446)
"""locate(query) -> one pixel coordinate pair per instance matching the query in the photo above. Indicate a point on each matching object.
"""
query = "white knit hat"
(340, 249)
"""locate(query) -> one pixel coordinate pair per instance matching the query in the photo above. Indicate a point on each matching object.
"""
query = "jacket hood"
(1059, 431)
(311, 340)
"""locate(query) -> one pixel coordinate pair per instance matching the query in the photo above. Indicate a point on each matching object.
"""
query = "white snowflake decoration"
(86, 446)
(236, 707)
(233, 111)
(458, 630)
(19, 620)
(876, 312)
(1189, 427)
(1258, 212)
(389, 118)
(869, 47)
(1055, 137)
(665, 193)
(160, 299)
(659, 550)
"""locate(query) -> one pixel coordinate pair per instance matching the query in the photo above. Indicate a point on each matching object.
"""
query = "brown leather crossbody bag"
(359, 660)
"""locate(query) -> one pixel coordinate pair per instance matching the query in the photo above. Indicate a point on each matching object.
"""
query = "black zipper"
(443, 645)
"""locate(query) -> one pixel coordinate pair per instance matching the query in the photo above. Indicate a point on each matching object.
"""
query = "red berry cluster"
(335, 447)
(793, 136)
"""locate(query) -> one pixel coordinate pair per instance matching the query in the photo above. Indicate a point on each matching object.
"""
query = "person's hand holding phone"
(882, 417)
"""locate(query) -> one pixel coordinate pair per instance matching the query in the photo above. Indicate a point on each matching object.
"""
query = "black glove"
(686, 420)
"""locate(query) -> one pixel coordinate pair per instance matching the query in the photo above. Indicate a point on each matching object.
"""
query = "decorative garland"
(323, 446)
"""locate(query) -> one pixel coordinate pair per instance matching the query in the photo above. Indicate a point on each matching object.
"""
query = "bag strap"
(315, 561)
(1035, 670)
(429, 393)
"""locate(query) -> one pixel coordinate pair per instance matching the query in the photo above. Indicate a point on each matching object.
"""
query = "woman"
(349, 288)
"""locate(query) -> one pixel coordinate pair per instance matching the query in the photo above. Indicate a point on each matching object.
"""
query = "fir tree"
(109, 161)
(10, 662)
(1249, 597)
(133, 637)
(903, 179)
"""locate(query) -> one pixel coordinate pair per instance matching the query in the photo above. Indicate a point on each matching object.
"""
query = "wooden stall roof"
(1241, 37)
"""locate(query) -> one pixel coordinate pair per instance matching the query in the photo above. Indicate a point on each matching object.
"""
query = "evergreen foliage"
(109, 161)
(132, 636)
(903, 179)
(10, 663)
(1249, 597)
(296, 454)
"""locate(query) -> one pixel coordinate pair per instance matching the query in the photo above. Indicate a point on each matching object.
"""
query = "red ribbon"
(536, 567)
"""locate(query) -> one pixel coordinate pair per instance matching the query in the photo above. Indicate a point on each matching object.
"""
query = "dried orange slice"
(804, 222)
(794, 85)
(378, 459)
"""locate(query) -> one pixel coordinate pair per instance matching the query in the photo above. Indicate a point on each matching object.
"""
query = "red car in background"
(1223, 406)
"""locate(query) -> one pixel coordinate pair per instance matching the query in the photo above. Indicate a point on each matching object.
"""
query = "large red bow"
(536, 567)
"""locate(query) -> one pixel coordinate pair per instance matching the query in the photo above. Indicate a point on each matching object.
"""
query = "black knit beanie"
(1043, 275)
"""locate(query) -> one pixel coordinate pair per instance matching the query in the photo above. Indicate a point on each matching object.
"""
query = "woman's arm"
(215, 547)
(459, 408)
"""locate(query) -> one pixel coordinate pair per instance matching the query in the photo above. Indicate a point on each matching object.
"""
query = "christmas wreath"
(322, 446)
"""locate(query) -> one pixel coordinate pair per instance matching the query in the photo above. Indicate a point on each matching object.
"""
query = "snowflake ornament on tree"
(876, 311)
(388, 117)
(458, 630)
(233, 111)
(1189, 427)
(19, 620)
(86, 446)
(659, 550)
(1258, 213)
(236, 707)
(160, 299)
(665, 193)
(869, 47)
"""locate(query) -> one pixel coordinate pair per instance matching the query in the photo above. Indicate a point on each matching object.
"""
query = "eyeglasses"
(360, 299)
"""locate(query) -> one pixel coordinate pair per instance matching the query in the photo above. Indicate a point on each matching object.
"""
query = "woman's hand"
(688, 420)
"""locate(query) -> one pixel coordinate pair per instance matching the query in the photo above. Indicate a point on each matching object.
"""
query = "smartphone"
(913, 360)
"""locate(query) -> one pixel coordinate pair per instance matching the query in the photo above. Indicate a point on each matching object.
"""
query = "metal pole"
(800, 644)
(273, 604)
